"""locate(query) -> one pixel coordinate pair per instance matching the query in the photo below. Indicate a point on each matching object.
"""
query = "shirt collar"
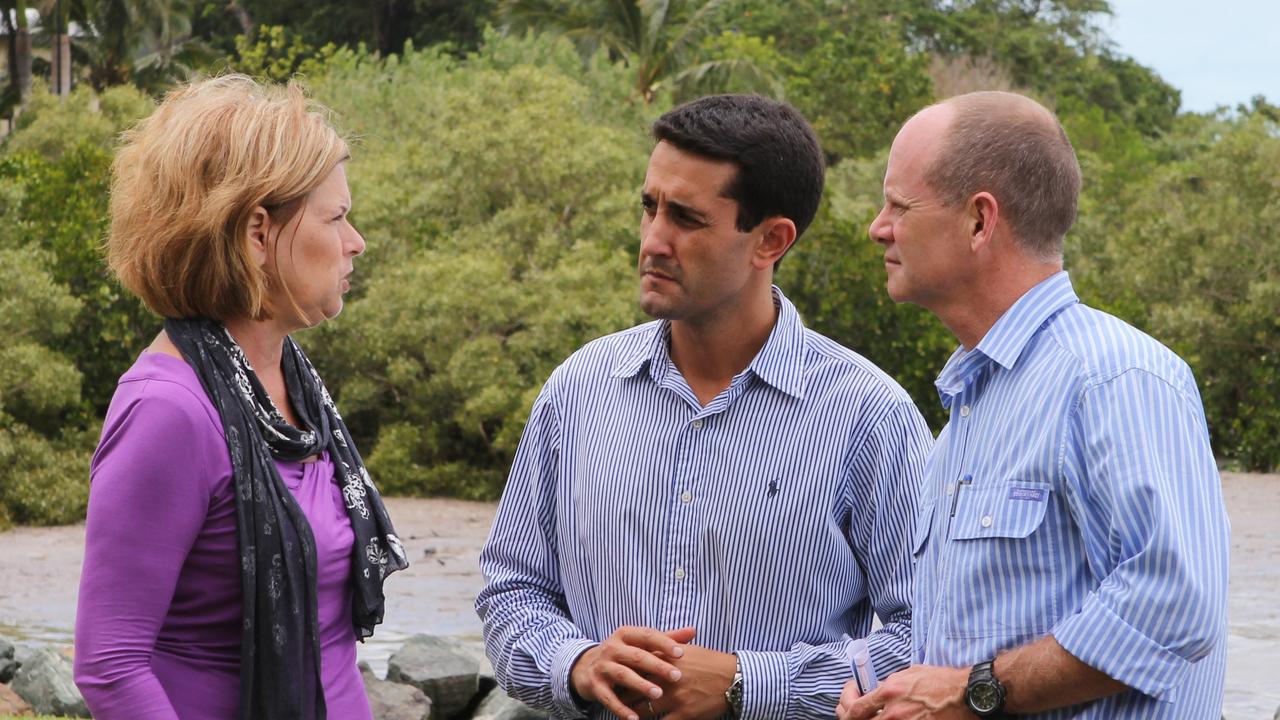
(1009, 336)
(779, 363)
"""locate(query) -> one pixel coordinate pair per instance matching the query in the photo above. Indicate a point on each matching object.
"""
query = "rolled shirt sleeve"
(1145, 491)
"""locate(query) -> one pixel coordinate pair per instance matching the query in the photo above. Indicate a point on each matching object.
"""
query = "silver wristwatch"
(733, 696)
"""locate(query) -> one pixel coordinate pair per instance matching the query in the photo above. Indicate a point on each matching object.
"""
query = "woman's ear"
(257, 235)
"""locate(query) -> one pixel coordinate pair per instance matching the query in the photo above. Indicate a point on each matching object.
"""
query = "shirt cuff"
(765, 684)
(561, 677)
(1100, 638)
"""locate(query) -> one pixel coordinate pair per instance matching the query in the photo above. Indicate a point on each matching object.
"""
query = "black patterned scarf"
(280, 637)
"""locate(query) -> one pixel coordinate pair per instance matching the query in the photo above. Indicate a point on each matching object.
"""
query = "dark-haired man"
(1072, 543)
(705, 509)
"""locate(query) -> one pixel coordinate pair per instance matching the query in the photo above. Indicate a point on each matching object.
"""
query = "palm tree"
(660, 39)
(144, 42)
(16, 26)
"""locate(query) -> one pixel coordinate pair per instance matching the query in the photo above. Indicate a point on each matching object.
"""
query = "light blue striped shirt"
(1074, 493)
(776, 520)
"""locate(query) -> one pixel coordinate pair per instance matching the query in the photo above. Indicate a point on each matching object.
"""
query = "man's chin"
(656, 306)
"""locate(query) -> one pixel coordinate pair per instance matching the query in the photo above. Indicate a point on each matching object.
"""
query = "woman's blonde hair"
(186, 180)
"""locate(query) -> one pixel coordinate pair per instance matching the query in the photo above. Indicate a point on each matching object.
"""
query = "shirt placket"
(680, 581)
(680, 578)
(959, 478)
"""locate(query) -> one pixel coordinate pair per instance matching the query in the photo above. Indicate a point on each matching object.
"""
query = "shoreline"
(40, 572)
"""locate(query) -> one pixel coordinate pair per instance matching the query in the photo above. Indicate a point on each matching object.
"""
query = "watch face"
(984, 697)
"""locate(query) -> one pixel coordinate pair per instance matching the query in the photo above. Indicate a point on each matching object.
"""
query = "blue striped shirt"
(776, 520)
(1074, 493)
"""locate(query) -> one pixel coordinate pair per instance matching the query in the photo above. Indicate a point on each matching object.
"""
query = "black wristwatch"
(984, 694)
(733, 696)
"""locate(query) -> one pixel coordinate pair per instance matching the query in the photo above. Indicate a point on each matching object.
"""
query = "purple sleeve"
(148, 498)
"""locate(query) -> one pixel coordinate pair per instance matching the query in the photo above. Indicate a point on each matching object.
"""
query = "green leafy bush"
(499, 203)
(43, 444)
(1195, 256)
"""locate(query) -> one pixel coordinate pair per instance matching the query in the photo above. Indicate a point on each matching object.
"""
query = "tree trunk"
(62, 64)
(20, 51)
(22, 58)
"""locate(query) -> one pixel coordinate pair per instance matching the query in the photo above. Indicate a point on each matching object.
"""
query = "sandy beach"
(40, 570)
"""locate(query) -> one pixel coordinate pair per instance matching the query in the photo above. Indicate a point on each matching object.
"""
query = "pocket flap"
(1006, 510)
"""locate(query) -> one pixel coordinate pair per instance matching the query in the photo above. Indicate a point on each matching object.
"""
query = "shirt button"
(697, 424)
(986, 521)
(964, 411)
(686, 496)
(679, 573)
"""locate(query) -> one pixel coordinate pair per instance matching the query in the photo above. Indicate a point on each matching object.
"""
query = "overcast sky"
(1217, 52)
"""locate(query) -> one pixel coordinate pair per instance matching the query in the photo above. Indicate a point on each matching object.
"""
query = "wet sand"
(40, 572)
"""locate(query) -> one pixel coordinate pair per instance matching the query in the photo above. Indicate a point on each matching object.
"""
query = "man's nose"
(655, 236)
(880, 230)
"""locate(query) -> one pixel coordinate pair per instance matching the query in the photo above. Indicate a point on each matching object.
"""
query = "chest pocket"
(1002, 567)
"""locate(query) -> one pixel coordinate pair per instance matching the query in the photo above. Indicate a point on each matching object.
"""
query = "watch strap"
(982, 680)
(733, 696)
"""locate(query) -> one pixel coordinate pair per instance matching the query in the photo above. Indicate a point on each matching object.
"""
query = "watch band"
(733, 696)
(985, 694)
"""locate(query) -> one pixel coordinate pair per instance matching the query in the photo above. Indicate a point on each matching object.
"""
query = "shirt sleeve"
(529, 636)
(1145, 491)
(148, 498)
(885, 473)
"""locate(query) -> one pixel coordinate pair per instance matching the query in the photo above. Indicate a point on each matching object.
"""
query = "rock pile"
(38, 680)
(428, 678)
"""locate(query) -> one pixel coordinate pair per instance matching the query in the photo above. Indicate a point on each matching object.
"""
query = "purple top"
(158, 623)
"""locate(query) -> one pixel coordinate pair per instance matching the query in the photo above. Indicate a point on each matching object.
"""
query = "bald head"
(1012, 147)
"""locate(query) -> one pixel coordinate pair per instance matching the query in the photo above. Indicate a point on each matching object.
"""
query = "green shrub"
(44, 442)
(1195, 257)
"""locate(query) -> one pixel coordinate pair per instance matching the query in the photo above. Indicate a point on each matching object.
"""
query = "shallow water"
(40, 571)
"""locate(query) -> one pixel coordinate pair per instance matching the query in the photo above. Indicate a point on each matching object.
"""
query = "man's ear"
(257, 234)
(983, 213)
(778, 237)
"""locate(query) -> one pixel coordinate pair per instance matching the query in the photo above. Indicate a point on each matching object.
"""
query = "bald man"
(1071, 551)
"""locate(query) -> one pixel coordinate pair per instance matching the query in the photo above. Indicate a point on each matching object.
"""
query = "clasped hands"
(640, 672)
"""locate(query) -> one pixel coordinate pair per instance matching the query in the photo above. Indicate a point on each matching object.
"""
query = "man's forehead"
(687, 177)
(918, 142)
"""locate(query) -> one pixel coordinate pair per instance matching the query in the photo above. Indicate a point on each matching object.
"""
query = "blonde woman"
(236, 547)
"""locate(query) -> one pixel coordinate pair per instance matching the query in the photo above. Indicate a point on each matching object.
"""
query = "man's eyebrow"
(688, 210)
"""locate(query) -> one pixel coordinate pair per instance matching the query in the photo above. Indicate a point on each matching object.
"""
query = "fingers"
(848, 696)
(683, 635)
(605, 696)
(860, 707)
(623, 664)
(653, 640)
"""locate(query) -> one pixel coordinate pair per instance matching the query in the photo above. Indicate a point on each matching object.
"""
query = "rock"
(498, 706)
(8, 665)
(440, 669)
(45, 681)
(393, 701)
(12, 705)
(488, 680)
(23, 653)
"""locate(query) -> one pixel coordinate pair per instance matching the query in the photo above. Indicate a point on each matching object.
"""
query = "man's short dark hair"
(780, 165)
